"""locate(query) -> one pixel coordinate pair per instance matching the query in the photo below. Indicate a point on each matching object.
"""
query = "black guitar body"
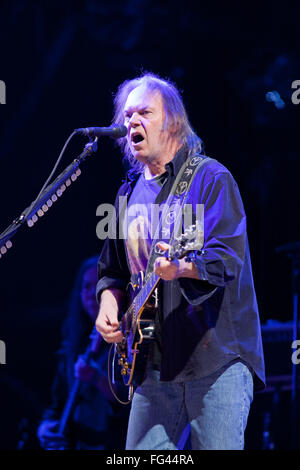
(144, 347)
(137, 342)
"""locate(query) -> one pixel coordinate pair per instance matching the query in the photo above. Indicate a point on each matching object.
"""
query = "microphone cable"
(28, 210)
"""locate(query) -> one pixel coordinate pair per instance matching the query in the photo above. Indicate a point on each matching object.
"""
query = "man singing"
(207, 355)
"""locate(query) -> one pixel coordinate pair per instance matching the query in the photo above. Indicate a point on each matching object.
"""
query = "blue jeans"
(215, 409)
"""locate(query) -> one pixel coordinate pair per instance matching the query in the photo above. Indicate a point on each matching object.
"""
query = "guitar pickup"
(148, 331)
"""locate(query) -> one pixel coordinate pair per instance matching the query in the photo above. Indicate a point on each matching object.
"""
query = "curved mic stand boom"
(47, 197)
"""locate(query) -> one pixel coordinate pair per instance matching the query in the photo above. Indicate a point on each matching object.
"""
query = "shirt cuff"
(213, 271)
(109, 283)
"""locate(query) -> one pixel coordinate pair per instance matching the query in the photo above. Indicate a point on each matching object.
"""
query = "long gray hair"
(175, 114)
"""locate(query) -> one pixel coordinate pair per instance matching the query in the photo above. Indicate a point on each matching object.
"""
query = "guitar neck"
(138, 323)
(146, 291)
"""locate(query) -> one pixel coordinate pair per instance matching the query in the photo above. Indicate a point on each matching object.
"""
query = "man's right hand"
(107, 323)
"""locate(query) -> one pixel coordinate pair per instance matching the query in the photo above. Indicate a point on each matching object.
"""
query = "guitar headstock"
(191, 240)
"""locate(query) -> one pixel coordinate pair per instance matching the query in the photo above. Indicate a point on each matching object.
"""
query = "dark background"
(61, 62)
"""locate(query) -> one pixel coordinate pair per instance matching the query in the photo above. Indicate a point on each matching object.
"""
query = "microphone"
(114, 131)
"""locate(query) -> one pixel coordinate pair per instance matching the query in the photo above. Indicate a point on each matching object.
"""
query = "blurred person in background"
(96, 420)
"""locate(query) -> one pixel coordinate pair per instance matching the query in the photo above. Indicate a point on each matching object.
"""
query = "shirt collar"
(174, 165)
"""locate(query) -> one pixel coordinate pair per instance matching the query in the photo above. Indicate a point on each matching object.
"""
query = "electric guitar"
(137, 324)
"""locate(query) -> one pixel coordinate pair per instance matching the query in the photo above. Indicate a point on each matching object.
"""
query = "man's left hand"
(170, 270)
(167, 270)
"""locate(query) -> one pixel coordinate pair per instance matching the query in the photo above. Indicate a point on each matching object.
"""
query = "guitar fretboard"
(146, 291)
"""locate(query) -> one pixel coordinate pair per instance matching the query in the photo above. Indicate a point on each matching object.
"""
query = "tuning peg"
(68, 182)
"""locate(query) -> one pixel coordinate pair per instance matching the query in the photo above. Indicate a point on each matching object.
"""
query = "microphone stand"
(293, 252)
(50, 195)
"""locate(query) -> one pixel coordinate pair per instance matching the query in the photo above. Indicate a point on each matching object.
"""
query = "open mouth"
(136, 138)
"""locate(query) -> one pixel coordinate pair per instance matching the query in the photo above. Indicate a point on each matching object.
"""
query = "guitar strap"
(176, 199)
